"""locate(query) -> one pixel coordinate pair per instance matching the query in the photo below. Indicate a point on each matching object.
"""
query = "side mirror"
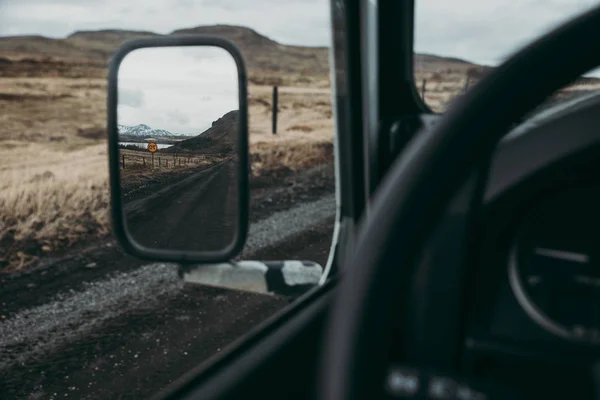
(178, 148)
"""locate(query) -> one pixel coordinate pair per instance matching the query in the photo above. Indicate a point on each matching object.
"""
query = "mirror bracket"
(284, 278)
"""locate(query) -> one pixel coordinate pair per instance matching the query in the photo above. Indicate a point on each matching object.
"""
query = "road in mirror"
(178, 130)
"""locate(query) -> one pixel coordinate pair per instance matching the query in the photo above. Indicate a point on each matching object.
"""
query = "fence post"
(167, 160)
(275, 101)
(423, 89)
(159, 165)
(467, 83)
(152, 160)
(144, 161)
(123, 161)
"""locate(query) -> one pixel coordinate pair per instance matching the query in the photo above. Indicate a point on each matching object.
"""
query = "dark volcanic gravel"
(96, 323)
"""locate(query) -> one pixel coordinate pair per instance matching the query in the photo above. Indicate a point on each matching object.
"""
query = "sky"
(487, 31)
(481, 31)
(303, 22)
(179, 89)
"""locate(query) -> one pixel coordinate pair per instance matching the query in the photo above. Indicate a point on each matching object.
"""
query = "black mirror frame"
(117, 215)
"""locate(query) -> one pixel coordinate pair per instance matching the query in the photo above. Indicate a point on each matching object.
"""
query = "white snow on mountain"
(143, 130)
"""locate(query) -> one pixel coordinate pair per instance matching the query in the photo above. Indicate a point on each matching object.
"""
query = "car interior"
(464, 264)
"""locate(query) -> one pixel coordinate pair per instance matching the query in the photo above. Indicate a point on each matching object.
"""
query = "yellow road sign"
(152, 147)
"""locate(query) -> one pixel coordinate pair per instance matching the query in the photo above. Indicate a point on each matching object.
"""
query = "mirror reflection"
(178, 131)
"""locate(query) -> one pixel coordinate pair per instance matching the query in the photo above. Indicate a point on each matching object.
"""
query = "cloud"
(177, 117)
(481, 31)
(133, 98)
(290, 21)
(488, 31)
(184, 89)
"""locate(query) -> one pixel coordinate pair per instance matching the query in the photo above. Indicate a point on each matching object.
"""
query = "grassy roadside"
(46, 211)
(54, 166)
(54, 190)
(51, 203)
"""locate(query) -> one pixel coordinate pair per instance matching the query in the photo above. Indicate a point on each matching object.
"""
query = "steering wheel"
(372, 295)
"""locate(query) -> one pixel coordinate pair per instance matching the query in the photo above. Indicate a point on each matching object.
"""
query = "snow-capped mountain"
(143, 130)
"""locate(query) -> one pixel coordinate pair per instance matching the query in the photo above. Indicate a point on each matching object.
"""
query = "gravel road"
(122, 335)
(202, 211)
(280, 226)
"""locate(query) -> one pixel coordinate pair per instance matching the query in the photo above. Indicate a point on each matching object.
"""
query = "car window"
(79, 318)
(458, 42)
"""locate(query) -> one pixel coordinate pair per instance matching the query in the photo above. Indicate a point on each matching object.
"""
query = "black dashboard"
(508, 291)
(532, 299)
(547, 269)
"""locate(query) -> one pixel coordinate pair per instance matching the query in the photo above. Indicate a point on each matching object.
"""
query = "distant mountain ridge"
(263, 55)
(260, 52)
(86, 54)
(144, 131)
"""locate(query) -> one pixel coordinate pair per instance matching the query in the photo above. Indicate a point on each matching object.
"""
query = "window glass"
(78, 317)
(458, 42)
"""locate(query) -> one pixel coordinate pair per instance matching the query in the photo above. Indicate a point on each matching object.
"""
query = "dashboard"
(552, 264)
(512, 295)
(534, 295)
(536, 279)
(540, 284)
(529, 308)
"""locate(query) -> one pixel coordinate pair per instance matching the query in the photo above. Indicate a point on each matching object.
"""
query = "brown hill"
(264, 54)
(246, 38)
(40, 46)
(95, 46)
(219, 138)
(82, 54)
(100, 45)
(429, 63)
(267, 61)
(430, 59)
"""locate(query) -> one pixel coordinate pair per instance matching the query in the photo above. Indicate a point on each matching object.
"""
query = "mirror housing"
(190, 246)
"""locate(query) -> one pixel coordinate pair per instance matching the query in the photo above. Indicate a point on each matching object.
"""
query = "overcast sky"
(180, 89)
(486, 31)
(483, 31)
(303, 22)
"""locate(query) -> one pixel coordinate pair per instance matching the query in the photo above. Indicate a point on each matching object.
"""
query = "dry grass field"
(49, 200)
(53, 153)
(304, 129)
(137, 161)
(54, 165)
(445, 79)
(140, 169)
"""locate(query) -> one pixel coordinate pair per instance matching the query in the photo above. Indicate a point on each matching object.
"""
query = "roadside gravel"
(69, 316)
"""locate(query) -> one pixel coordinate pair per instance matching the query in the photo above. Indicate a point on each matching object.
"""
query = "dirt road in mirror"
(197, 213)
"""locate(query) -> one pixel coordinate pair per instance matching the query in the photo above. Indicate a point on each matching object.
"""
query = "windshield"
(81, 319)
(458, 42)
